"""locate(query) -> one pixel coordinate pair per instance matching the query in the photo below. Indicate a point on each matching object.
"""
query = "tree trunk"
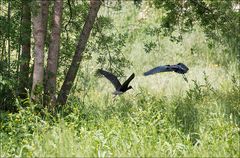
(9, 37)
(72, 71)
(52, 62)
(26, 47)
(45, 16)
(39, 30)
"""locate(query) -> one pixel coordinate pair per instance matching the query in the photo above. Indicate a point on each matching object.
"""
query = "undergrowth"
(204, 122)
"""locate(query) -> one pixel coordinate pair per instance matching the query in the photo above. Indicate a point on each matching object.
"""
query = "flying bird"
(179, 68)
(119, 88)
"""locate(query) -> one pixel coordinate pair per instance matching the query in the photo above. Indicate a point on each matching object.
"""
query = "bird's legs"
(185, 78)
(114, 97)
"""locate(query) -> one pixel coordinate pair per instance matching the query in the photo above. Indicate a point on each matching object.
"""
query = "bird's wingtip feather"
(146, 73)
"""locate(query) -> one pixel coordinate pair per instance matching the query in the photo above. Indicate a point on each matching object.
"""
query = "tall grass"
(162, 116)
(204, 122)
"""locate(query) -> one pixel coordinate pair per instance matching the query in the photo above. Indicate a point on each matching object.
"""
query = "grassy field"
(162, 116)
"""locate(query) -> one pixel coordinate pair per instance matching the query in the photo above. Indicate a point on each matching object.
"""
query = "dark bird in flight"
(179, 68)
(120, 88)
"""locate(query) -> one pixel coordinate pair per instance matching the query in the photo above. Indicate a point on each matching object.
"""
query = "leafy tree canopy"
(219, 19)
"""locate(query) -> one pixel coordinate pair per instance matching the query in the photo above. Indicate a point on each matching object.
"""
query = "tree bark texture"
(39, 33)
(26, 47)
(45, 16)
(72, 71)
(9, 36)
(52, 62)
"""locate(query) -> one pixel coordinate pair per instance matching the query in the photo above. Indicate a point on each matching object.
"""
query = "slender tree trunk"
(39, 33)
(3, 49)
(52, 62)
(72, 71)
(8, 34)
(26, 47)
(45, 23)
(45, 16)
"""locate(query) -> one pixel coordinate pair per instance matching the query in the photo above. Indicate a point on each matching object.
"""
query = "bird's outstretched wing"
(112, 78)
(126, 83)
(158, 69)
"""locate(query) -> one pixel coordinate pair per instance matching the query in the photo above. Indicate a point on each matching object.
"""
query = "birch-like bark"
(52, 62)
(39, 20)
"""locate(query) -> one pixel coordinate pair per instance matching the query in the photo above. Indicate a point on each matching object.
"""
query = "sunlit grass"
(143, 125)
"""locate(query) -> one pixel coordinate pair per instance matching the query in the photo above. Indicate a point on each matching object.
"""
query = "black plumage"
(178, 68)
(119, 88)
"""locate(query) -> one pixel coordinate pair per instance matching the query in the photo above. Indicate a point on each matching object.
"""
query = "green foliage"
(231, 103)
(220, 19)
(7, 99)
(162, 116)
(19, 129)
(73, 17)
(187, 112)
(7, 86)
(3, 28)
(146, 125)
(9, 27)
(104, 46)
(108, 46)
(149, 46)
